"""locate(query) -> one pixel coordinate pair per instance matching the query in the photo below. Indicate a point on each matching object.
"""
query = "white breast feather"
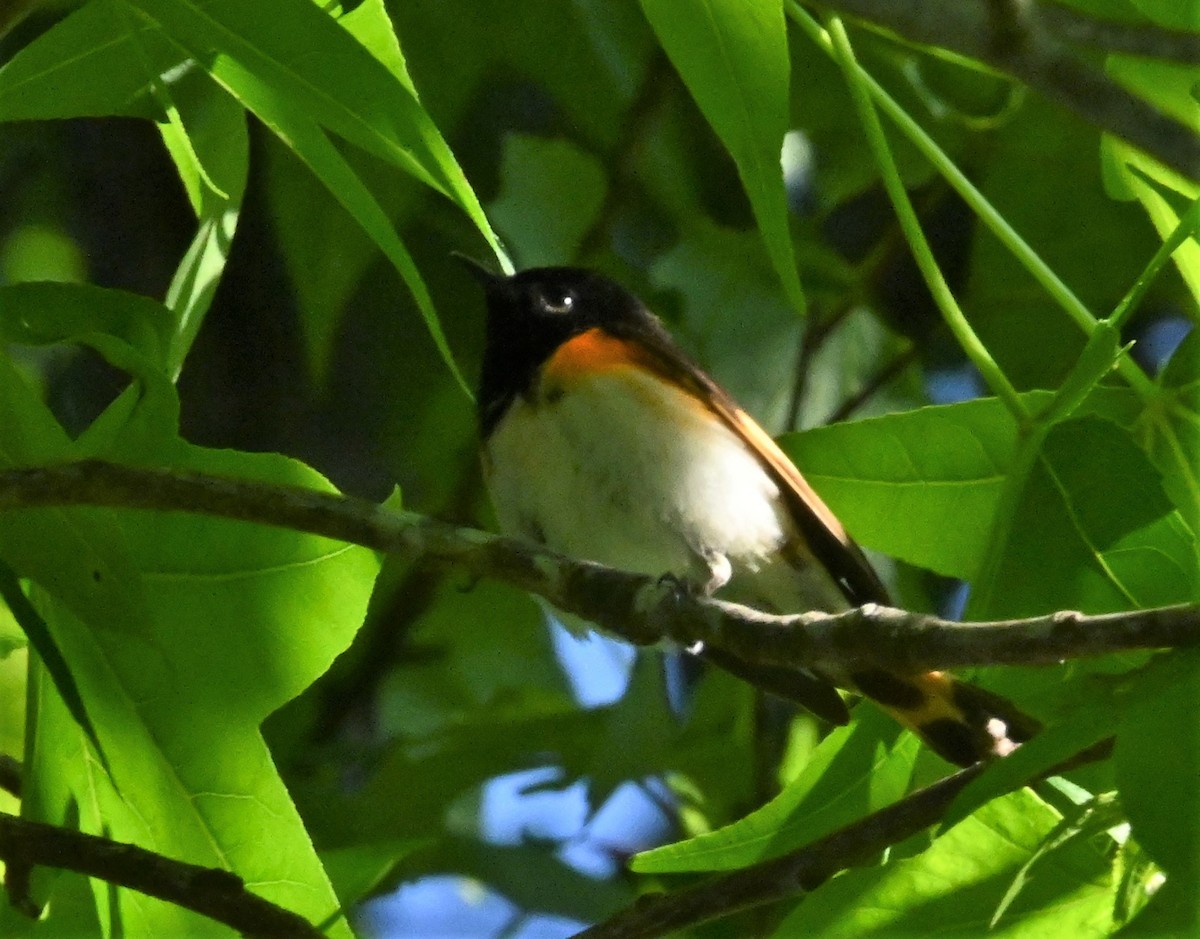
(629, 472)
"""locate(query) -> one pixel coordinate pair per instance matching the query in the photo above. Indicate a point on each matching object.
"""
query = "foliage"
(270, 271)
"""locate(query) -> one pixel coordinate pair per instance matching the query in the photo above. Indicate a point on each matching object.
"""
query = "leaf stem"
(1188, 225)
(987, 213)
(978, 353)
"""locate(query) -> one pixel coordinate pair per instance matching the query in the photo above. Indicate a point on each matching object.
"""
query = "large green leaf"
(1158, 760)
(922, 486)
(182, 633)
(954, 887)
(90, 64)
(303, 55)
(856, 770)
(64, 550)
(1092, 530)
(733, 57)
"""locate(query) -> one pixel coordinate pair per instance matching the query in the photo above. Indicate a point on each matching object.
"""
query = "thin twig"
(879, 379)
(1023, 46)
(211, 892)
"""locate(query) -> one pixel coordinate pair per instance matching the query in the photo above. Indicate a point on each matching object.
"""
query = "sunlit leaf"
(955, 886)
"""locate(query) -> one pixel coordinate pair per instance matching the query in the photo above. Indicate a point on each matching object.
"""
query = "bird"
(603, 441)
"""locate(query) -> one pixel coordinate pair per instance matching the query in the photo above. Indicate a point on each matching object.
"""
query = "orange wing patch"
(586, 354)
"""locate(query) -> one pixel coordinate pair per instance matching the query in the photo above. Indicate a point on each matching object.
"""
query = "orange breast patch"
(586, 354)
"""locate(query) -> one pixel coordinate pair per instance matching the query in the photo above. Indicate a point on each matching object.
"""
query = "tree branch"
(1144, 39)
(217, 894)
(803, 870)
(791, 874)
(1025, 40)
(643, 610)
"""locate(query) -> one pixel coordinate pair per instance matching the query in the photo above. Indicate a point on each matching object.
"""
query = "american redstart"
(603, 441)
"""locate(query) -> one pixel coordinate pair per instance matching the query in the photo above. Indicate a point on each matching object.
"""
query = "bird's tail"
(959, 721)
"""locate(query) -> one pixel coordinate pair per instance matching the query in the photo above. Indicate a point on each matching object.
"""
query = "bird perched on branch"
(603, 441)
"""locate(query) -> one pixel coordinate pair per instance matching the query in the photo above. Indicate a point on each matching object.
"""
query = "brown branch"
(1017, 38)
(217, 894)
(1144, 39)
(642, 610)
(803, 870)
(786, 876)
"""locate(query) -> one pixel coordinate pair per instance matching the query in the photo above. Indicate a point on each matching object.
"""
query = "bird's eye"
(560, 301)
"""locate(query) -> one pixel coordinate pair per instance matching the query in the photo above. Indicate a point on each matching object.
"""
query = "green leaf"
(1057, 742)
(358, 871)
(368, 23)
(733, 57)
(922, 485)
(207, 139)
(1157, 782)
(290, 49)
(41, 313)
(716, 270)
(1169, 429)
(251, 616)
(35, 630)
(135, 601)
(87, 65)
(855, 771)
(328, 253)
(953, 887)
(549, 196)
(1130, 173)
(1040, 159)
(1152, 185)
(68, 551)
(312, 146)
(1171, 15)
(1092, 530)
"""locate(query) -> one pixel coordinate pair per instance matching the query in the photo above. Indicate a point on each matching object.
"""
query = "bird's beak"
(485, 278)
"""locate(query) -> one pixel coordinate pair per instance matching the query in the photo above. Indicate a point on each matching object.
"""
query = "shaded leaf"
(1158, 761)
(856, 770)
(550, 194)
(733, 57)
(89, 64)
(1092, 530)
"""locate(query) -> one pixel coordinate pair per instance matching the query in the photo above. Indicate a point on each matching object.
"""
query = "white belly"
(627, 471)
